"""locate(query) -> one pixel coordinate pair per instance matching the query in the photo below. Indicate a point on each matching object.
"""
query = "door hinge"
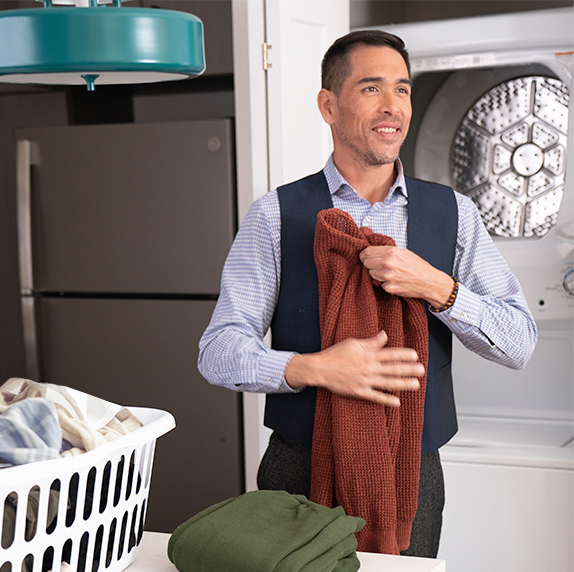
(266, 63)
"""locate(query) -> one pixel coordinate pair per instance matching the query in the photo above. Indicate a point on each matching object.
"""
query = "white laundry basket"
(87, 510)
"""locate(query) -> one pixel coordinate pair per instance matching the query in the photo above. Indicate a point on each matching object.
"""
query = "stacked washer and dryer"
(490, 119)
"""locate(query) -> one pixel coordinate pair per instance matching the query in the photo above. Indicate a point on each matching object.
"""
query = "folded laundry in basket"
(38, 421)
(86, 421)
(267, 531)
(29, 432)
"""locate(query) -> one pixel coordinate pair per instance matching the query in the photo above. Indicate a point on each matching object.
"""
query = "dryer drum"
(509, 155)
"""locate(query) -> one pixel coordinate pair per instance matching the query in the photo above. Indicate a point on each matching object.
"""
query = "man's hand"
(404, 273)
(358, 368)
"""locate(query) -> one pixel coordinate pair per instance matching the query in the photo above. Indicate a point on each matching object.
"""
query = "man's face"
(371, 116)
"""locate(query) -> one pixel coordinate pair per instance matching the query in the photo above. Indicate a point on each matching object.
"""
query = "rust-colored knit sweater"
(366, 457)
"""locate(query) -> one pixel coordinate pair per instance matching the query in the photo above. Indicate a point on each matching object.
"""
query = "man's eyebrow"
(380, 79)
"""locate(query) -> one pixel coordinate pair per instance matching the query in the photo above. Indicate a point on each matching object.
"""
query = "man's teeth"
(385, 129)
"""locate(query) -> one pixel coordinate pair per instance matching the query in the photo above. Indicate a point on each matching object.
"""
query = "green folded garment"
(267, 531)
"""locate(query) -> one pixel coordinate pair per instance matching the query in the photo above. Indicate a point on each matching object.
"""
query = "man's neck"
(372, 183)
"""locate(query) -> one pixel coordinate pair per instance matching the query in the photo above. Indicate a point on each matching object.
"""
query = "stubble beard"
(368, 156)
(376, 160)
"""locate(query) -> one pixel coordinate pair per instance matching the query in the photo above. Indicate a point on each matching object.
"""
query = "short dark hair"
(336, 65)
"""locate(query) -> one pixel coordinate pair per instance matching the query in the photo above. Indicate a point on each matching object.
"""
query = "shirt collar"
(335, 180)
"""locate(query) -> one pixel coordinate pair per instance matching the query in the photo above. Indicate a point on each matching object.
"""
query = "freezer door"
(144, 352)
(138, 208)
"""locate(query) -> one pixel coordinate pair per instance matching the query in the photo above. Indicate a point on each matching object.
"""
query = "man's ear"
(326, 100)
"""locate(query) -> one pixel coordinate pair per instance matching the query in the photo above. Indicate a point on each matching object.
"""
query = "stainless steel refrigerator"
(123, 231)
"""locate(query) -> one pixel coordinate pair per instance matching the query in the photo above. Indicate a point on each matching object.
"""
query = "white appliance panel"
(507, 518)
(512, 442)
(542, 390)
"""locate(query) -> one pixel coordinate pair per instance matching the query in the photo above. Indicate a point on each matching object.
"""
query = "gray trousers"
(286, 466)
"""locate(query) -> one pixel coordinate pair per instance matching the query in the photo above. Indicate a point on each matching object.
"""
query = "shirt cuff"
(464, 312)
(272, 372)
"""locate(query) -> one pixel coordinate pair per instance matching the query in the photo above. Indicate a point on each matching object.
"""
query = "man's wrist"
(448, 303)
(294, 372)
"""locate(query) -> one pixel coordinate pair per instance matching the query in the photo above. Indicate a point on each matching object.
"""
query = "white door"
(280, 135)
(299, 32)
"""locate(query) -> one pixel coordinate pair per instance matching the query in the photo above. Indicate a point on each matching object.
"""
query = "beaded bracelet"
(449, 302)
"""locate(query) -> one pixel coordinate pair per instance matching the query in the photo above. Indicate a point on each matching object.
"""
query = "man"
(443, 255)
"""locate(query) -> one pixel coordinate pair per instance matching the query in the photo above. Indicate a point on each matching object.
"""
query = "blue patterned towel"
(29, 432)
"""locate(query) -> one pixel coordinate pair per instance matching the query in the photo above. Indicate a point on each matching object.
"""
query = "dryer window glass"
(509, 155)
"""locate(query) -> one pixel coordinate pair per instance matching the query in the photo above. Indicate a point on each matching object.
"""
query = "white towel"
(86, 421)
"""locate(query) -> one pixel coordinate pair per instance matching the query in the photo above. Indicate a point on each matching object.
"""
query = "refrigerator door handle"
(30, 337)
(24, 184)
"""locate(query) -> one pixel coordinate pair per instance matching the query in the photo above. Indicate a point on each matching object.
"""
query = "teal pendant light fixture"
(92, 43)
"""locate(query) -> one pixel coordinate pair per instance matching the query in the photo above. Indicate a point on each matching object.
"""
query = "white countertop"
(152, 557)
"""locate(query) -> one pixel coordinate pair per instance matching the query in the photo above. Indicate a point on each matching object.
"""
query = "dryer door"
(499, 136)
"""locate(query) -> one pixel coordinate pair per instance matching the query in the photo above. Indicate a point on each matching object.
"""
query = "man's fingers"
(397, 354)
(382, 339)
(402, 368)
(379, 341)
(389, 354)
(371, 252)
(382, 398)
(389, 383)
(379, 392)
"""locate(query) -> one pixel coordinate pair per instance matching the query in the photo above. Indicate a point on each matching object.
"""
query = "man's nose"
(388, 102)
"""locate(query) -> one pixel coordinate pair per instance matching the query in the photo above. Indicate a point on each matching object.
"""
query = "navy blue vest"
(431, 232)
